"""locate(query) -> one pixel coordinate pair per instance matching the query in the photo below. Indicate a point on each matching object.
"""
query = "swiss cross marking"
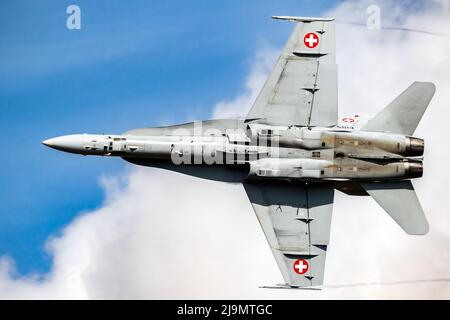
(301, 266)
(311, 40)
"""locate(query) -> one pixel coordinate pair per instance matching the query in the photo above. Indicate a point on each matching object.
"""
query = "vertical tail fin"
(404, 113)
(400, 201)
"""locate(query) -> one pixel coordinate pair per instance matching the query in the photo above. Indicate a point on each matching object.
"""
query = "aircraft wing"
(302, 88)
(296, 221)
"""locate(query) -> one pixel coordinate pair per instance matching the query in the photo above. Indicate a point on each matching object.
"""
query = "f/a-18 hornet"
(291, 152)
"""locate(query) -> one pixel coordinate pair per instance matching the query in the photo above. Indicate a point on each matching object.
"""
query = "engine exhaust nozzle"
(414, 169)
(414, 147)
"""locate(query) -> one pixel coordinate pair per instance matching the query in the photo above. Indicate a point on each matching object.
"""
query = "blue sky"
(133, 64)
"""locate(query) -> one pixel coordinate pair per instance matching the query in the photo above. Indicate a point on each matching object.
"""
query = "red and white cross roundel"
(311, 40)
(348, 120)
(301, 266)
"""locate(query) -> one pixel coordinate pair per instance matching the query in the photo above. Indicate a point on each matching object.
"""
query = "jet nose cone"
(71, 143)
(49, 142)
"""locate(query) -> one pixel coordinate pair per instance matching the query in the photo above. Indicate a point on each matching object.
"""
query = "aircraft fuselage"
(267, 152)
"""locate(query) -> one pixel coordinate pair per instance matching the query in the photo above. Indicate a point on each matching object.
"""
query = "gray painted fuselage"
(258, 152)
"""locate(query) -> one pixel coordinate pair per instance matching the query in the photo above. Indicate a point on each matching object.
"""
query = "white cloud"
(164, 235)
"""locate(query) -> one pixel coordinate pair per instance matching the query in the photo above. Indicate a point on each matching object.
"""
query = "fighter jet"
(291, 152)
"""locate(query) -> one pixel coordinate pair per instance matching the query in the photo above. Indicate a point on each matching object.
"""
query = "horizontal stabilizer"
(404, 113)
(400, 201)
